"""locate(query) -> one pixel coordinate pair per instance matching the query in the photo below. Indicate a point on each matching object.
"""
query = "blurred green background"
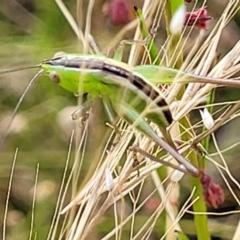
(31, 31)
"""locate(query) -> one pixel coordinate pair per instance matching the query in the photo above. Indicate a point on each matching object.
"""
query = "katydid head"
(51, 68)
(63, 69)
(57, 73)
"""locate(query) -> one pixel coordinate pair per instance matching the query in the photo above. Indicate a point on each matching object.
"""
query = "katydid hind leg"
(133, 117)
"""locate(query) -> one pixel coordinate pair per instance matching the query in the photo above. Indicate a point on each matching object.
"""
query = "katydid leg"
(111, 118)
(83, 111)
(133, 117)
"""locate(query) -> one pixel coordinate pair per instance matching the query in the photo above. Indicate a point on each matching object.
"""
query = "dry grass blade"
(33, 204)
(8, 195)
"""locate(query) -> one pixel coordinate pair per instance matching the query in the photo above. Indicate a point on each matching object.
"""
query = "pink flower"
(120, 12)
(197, 18)
(213, 193)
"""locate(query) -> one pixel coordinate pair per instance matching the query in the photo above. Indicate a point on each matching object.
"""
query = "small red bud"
(197, 18)
(120, 12)
(213, 193)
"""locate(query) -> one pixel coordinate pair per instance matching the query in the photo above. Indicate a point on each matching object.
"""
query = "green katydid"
(124, 91)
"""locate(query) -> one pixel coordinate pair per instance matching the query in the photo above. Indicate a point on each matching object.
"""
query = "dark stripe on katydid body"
(96, 64)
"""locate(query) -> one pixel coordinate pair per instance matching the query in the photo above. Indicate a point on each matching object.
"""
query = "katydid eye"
(54, 77)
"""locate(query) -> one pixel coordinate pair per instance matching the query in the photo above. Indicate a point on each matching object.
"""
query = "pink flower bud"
(120, 12)
(197, 18)
(213, 193)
